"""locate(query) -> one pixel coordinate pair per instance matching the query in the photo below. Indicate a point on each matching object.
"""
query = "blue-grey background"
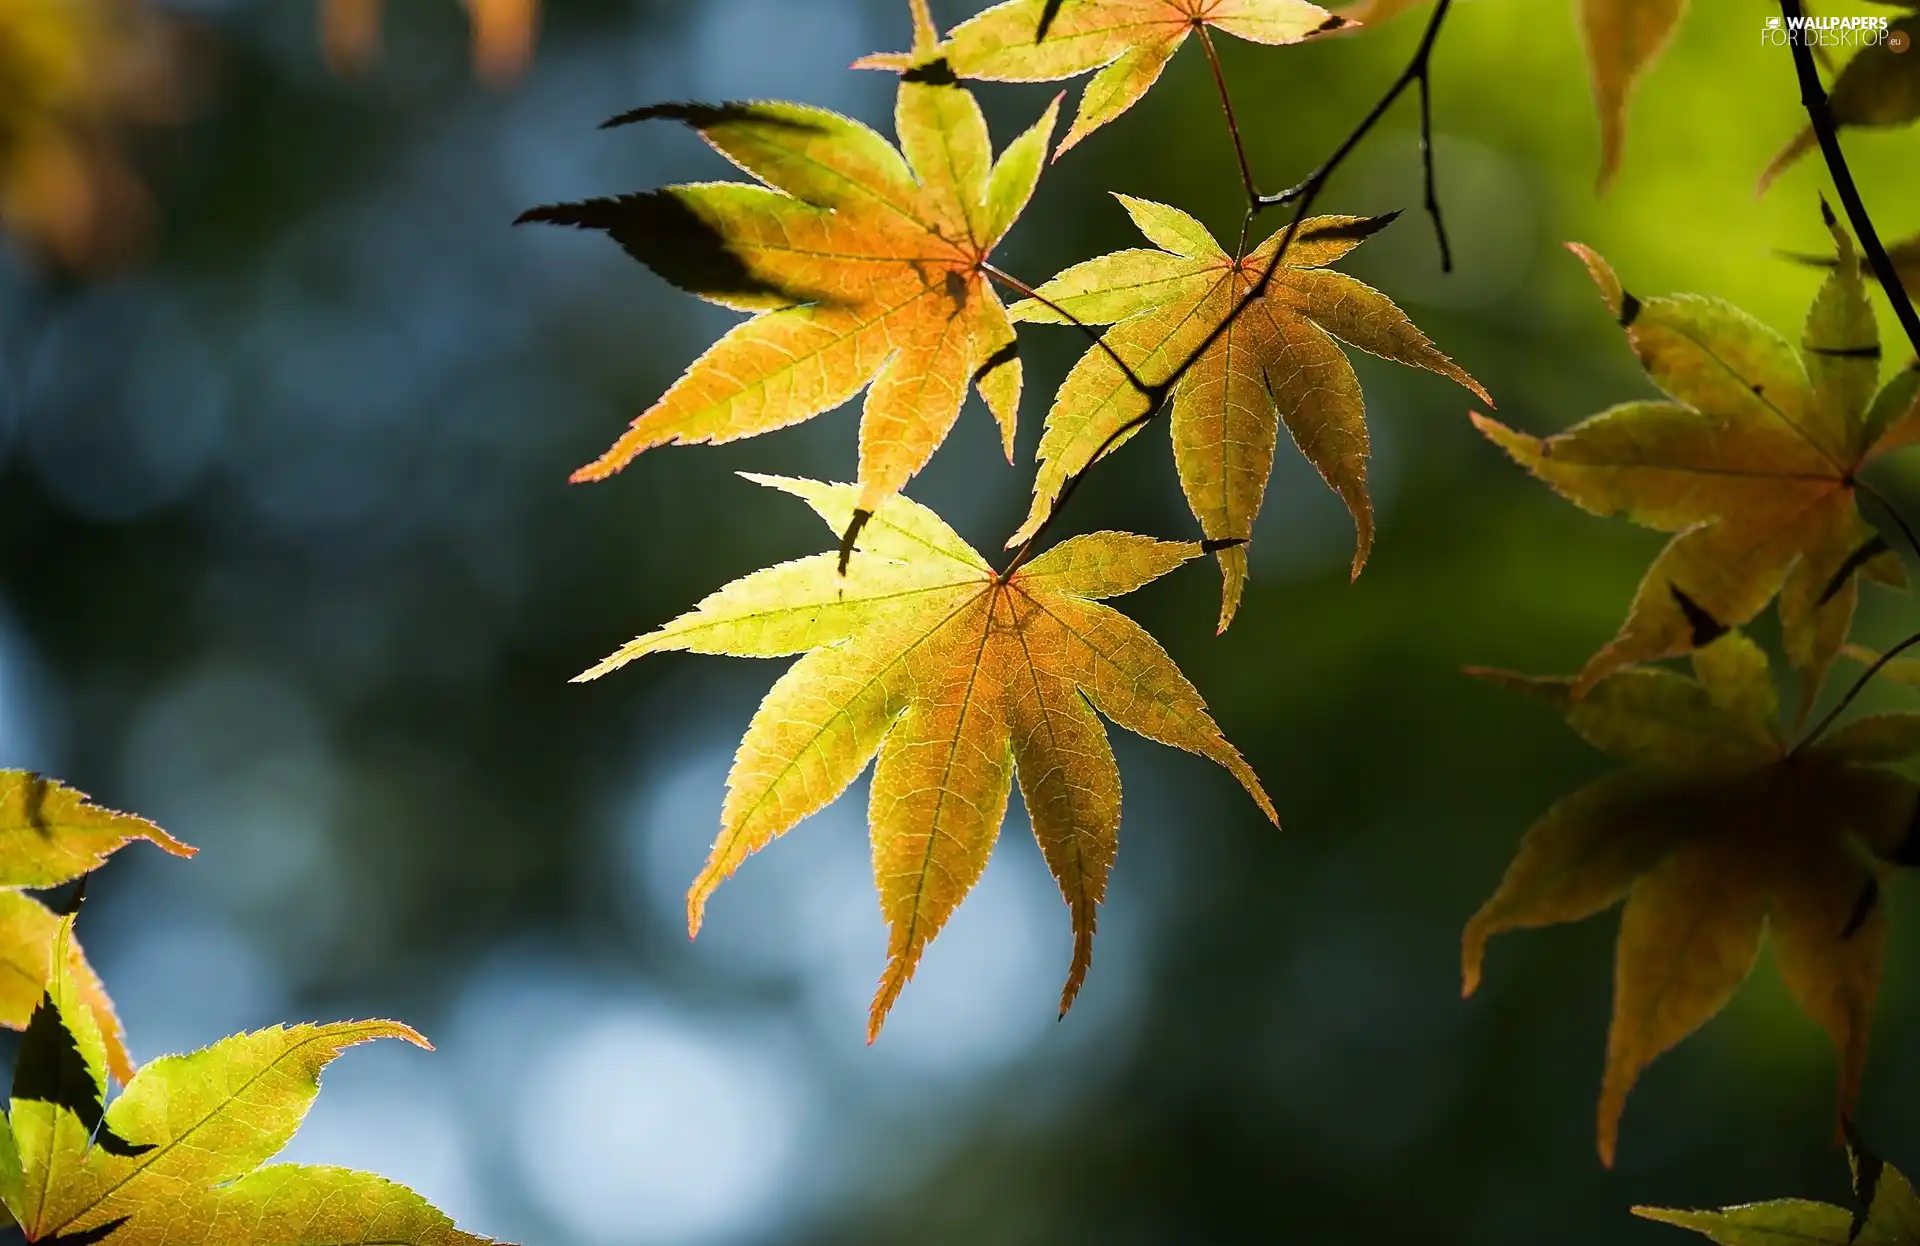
(288, 562)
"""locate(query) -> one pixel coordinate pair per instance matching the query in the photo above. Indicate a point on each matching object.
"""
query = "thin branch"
(1814, 96)
(1859, 685)
(1233, 124)
(1419, 70)
(1304, 196)
(1099, 339)
(1426, 166)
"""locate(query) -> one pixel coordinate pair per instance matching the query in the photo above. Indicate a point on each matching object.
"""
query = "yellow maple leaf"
(1277, 363)
(1716, 832)
(864, 264)
(958, 678)
(176, 1159)
(1128, 41)
(50, 835)
(1754, 464)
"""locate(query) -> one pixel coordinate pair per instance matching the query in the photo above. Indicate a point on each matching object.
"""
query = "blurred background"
(288, 563)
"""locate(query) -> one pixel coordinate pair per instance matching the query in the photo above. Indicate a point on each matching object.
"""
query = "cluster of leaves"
(866, 266)
(504, 32)
(176, 1158)
(1720, 827)
(1886, 1212)
(74, 74)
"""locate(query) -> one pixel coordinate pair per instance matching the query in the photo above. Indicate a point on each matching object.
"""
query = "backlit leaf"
(1751, 464)
(27, 933)
(1277, 363)
(51, 834)
(861, 263)
(958, 679)
(1128, 41)
(175, 1159)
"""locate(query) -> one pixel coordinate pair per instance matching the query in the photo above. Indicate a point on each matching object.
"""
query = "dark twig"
(1814, 96)
(1304, 196)
(1426, 167)
(1419, 70)
(1859, 685)
(1099, 339)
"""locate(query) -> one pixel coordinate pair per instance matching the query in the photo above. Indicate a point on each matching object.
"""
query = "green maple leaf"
(1887, 1213)
(1715, 832)
(176, 1159)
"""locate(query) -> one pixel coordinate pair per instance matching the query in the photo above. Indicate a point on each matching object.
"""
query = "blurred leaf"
(74, 76)
(1714, 832)
(1276, 362)
(1128, 41)
(1899, 670)
(1905, 256)
(862, 265)
(504, 32)
(1879, 87)
(1623, 37)
(957, 677)
(174, 1158)
(1753, 465)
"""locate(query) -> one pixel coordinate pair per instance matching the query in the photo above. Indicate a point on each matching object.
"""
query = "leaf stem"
(1913, 542)
(1859, 685)
(1820, 114)
(1233, 124)
(1304, 196)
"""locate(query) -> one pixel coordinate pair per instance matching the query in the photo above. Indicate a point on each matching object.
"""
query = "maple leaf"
(1128, 41)
(51, 835)
(1754, 464)
(958, 678)
(1714, 831)
(1887, 1213)
(1623, 37)
(176, 1158)
(1879, 87)
(1277, 363)
(863, 265)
